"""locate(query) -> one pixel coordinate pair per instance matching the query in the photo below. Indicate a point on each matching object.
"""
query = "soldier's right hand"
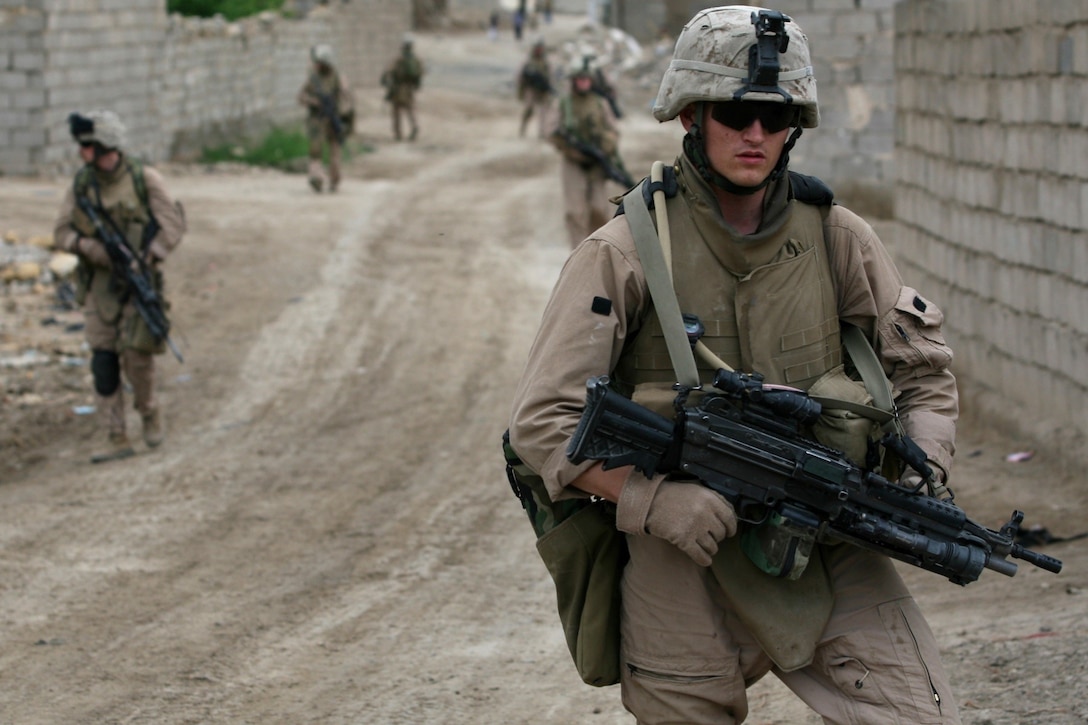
(93, 251)
(688, 515)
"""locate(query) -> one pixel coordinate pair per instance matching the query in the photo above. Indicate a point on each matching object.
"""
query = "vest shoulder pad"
(810, 190)
(668, 184)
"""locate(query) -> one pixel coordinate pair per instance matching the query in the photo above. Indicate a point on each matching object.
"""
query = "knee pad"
(106, 369)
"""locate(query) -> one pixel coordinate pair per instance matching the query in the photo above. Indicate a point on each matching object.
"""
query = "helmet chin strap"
(695, 150)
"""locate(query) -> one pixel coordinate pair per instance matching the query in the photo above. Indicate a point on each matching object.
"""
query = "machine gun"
(745, 443)
(612, 166)
(133, 270)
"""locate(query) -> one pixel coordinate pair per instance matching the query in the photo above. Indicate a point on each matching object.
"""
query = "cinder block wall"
(176, 82)
(991, 200)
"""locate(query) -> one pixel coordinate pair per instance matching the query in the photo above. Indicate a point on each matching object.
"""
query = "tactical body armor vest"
(767, 300)
(122, 196)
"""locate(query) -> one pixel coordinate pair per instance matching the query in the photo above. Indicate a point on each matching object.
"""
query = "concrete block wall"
(177, 83)
(992, 200)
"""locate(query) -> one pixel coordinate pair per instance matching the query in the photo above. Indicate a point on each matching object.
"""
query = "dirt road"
(327, 535)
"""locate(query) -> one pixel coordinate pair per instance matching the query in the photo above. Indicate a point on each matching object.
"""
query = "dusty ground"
(327, 535)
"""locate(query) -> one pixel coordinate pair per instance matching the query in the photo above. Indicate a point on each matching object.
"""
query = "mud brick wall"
(991, 199)
(176, 82)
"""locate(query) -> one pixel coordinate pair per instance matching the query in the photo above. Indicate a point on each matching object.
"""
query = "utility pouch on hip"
(776, 549)
(585, 554)
(787, 617)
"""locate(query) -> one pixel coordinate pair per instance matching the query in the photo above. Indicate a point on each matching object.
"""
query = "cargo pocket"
(912, 335)
(880, 668)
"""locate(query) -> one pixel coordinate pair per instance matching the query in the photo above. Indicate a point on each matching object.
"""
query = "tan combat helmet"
(739, 53)
(322, 53)
(99, 126)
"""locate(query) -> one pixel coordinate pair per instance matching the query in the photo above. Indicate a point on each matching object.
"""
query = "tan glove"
(913, 480)
(93, 251)
(688, 515)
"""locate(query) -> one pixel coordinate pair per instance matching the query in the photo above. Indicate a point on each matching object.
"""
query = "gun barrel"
(1042, 561)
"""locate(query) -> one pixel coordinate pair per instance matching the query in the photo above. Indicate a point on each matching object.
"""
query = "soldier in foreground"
(534, 85)
(401, 80)
(767, 270)
(584, 132)
(330, 115)
(120, 197)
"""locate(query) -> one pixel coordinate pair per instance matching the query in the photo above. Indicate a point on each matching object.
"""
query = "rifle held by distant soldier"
(745, 443)
(611, 165)
(132, 270)
(332, 114)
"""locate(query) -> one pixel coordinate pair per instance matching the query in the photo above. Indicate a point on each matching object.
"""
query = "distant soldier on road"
(584, 131)
(535, 85)
(130, 204)
(401, 80)
(328, 100)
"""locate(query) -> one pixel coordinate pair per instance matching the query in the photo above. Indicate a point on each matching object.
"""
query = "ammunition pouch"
(585, 554)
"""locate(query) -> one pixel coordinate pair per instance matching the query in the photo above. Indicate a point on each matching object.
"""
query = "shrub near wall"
(992, 200)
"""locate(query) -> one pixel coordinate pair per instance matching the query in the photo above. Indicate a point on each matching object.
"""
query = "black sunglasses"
(739, 115)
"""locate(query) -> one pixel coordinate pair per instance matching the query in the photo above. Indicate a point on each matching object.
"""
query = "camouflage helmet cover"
(710, 63)
(322, 53)
(99, 126)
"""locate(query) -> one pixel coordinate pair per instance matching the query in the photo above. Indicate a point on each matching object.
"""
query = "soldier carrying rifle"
(330, 116)
(584, 131)
(122, 223)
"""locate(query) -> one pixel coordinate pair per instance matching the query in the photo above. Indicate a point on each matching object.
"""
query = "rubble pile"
(44, 378)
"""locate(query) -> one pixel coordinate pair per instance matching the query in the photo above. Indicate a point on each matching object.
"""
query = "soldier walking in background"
(584, 131)
(330, 116)
(130, 201)
(535, 85)
(401, 80)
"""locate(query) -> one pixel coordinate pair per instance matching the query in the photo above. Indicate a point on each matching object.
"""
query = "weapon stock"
(613, 168)
(132, 268)
(754, 455)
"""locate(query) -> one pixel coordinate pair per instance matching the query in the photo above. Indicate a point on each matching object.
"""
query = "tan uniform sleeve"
(169, 213)
(905, 329)
(64, 236)
(594, 307)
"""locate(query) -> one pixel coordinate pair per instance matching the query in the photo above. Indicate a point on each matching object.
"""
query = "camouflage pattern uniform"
(114, 330)
(401, 80)
(325, 82)
(693, 637)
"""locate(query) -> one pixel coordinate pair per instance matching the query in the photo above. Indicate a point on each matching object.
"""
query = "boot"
(315, 184)
(117, 447)
(153, 428)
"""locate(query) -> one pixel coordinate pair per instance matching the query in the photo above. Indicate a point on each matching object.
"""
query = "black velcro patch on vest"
(919, 304)
(602, 306)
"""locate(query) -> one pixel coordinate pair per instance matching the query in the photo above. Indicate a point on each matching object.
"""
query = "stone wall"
(992, 200)
(176, 82)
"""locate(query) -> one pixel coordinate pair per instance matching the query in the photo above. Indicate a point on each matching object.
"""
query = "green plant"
(277, 149)
(229, 9)
(280, 148)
